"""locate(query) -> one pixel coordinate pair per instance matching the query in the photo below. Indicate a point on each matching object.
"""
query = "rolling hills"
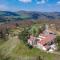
(28, 15)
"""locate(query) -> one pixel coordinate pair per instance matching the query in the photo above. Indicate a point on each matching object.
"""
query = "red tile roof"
(49, 37)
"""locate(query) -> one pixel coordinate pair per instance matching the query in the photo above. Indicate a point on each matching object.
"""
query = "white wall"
(41, 46)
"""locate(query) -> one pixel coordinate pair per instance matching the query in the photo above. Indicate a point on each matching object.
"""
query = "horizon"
(30, 5)
(31, 11)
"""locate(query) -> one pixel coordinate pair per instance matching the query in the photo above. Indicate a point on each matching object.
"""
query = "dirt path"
(56, 53)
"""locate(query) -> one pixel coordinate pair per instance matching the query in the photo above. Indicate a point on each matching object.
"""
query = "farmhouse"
(45, 41)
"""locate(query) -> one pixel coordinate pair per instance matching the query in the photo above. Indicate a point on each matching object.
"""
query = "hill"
(8, 13)
(28, 15)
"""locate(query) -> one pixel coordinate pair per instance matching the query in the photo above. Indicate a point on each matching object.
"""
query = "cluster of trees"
(32, 30)
(4, 34)
(24, 35)
(35, 30)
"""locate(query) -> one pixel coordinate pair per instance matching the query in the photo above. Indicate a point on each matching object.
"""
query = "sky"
(30, 5)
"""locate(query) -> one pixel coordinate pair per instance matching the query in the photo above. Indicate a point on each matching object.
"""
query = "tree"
(35, 30)
(24, 35)
(58, 41)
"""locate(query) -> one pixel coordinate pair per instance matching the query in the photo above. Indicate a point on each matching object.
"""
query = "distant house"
(45, 41)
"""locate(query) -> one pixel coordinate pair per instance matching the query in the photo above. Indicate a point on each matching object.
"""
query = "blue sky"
(30, 5)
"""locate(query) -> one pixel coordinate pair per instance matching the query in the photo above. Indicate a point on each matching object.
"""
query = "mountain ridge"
(30, 15)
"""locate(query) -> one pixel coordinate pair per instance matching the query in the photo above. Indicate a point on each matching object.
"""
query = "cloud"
(58, 2)
(41, 1)
(3, 7)
(25, 1)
